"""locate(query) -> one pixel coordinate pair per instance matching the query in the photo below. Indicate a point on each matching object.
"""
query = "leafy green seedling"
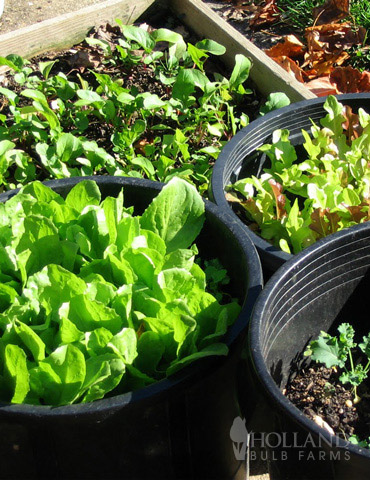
(274, 101)
(310, 191)
(354, 439)
(216, 277)
(100, 121)
(338, 352)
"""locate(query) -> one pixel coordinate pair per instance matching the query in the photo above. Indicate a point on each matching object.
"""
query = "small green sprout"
(103, 121)
(337, 352)
(354, 439)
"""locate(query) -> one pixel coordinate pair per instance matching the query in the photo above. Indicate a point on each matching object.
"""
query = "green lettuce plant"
(310, 193)
(97, 301)
(47, 125)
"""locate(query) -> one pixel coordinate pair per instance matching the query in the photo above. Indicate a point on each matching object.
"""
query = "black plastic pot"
(240, 158)
(318, 289)
(175, 429)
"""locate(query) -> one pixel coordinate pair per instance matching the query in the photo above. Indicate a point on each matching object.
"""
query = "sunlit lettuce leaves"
(177, 216)
(311, 192)
(95, 301)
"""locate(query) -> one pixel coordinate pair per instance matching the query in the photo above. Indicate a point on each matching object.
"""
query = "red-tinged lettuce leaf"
(324, 222)
(280, 199)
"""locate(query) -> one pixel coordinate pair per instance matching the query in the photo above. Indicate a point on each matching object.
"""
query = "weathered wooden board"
(67, 30)
(266, 74)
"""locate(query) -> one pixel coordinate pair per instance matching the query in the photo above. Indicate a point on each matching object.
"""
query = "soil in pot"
(319, 394)
(317, 290)
(334, 389)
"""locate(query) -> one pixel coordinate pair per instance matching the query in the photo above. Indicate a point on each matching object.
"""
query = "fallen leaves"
(286, 53)
(335, 36)
(265, 14)
(319, 61)
(83, 59)
(291, 47)
(320, 57)
(290, 66)
(322, 87)
(331, 11)
(350, 80)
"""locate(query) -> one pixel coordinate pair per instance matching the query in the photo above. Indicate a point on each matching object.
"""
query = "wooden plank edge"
(265, 73)
(70, 28)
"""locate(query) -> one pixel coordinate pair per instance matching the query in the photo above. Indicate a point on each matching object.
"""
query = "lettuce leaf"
(95, 301)
(312, 190)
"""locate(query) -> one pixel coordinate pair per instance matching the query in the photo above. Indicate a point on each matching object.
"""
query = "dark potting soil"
(263, 38)
(318, 393)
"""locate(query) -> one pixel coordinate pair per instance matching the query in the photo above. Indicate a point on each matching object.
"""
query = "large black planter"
(174, 429)
(318, 289)
(240, 158)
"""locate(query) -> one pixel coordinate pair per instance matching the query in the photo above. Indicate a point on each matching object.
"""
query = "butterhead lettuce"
(96, 301)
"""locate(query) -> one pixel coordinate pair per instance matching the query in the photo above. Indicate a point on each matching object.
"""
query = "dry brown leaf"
(247, 8)
(322, 87)
(323, 63)
(86, 59)
(141, 144)
(266, 14)
(291, 67)
(107, 33)
(233, 13)
(331, 11)
(350, 80)
(336, 36)
(327, 47)
(311, 60)
(291, 47)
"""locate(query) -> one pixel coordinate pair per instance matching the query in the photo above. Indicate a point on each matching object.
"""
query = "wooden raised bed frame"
(266, 74)
(69, 29)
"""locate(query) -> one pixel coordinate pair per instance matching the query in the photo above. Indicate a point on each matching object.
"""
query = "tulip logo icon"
(239, 436)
